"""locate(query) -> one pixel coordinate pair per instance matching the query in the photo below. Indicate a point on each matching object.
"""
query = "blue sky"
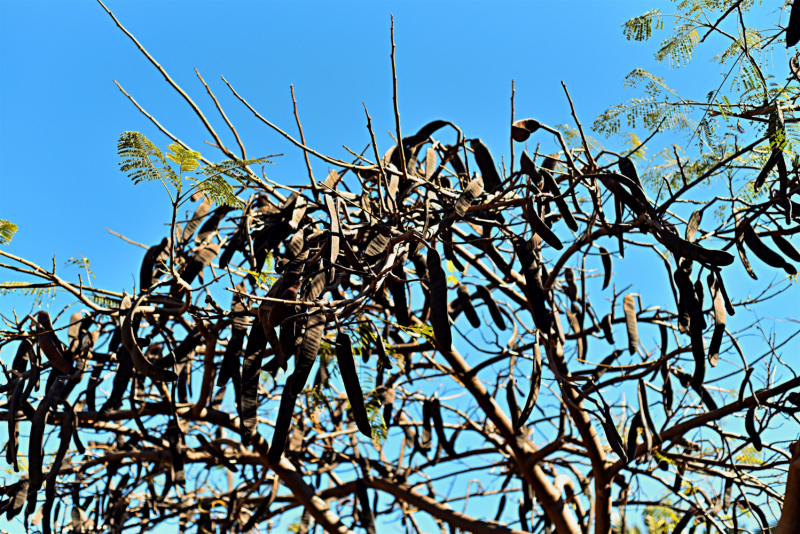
(61, 114)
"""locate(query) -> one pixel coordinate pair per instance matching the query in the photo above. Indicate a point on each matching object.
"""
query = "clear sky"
(61, 114)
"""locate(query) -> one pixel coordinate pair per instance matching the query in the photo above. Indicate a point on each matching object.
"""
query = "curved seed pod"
(728, 305)
(629, 306)
(793, 29)
(18, 493)
(664, 339)
(667, 394)
(527, 166)
(381, 348)
(295, 245)
(376, 247)
(427, 428)
(540, 228)
(764, 253)
(692, 251)
(533, 393)
(140, 361)
(618, 221)
(50, 344)
(604, 365)
(233, 352)
(693, 225)
(644, 409)
(347, 366)
(304, 361)
(633, 434)
(605, 324)
(23, 355)
(483, 157)
(194, 222)
(440, 319)
(511, 399)
(701, 297)
(438, 425)
(388, 401)
(680, 525)
(522, 129)
(494, 310)
(572, 288)
(122, 378)
(720, 320)
(201, 259)
(473, 190)
(333, 235)
(572, 318)
(628, 170)
(280, 310)
(785, 246)
(35, 450)
(366, 515)
(398, 291)
(762, 176)
(467, 307)
(551, 186)
(149, 264)
(430, 163)
(612, 435)
(500, 508)
(251, 368)
(692, 307)
(533, 279)
(13, 426)
(750, 426)
(608, 265)
(212, 223)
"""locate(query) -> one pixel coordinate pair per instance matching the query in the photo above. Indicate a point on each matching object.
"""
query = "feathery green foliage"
(7, 231)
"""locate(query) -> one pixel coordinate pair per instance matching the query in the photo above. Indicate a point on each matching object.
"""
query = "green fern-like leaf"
(641, 28)
(143, 161)
(188, 160)
(7, 231)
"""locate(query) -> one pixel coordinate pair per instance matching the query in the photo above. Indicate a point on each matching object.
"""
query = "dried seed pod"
(533, 280)
(628, 170)
(720, 320)
(527, 166)
(280, 311)
(50, 344)
(604, 365)
(693, 225)
(692, 251)
(149, 264)
(771, 162)
(251, 369)
(467, 307)
(304, 361)
(140, 361)
(427, 428)
(764, 253)
(194, 222)
(511, 399)
(750, 426)
(572, 288)
(664, 339)
(483, 157)
(438, 425)
(17, 492)
(533, 392)
(473, 190)
(398, 291)
(540, 228)
(522, 129)
(347, 366)
(552, 187)
(644, 409)
(612, 435)
(608, 331)
(335, 231)
(628, 304)
(692, 308)
(122, 379)
(608, 265)
(667, 394)
(234, 351)
(494, 310)
(430, 163)
(793, 29)
(366, 515)
(440, 319)
(633, 434)
(785, 246)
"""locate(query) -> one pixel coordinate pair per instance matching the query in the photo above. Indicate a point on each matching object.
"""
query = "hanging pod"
(427, 427)
(251, 370)
(750, 426)
(533, 392)
(494, 310)
(533, 282)
(539, 227)
(485, 161)
(693, 224)
(685, 249)
(522, 129)
(438, 425)
(140, 361)
(785, 246)
(467, 307)
(366, 515)
(551, 186)
(50, 344)
(473, 190)
(440, 319)
(347, 367)
(398, 291)
(608, 332)
(612, 434)
(608, 265)
(629, 305)
(633, 434)
(720, 319)
(628, 169)
(334, 233)
(149, 264)
(764, 253)
(304, 361)
(194, 222)
(604, 365)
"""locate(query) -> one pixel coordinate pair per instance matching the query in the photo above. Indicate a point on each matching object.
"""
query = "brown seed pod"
(335, 231)
(764, 253)
(793, 29)
(750, 426)
(511, 399)
(628, 304)
(467, 307)
(664, 340)
(494, 310)
(720, 319)
(692, 251)
(608, 265)
(633, 434)
(533, 278)
(430, 163)
(473, 190)
(50, 344)
(604, 365)
(551, 186)
(693, 225)
(771, 162)
(18, 492)
(280, 310)
(667, 394)
(251, 369)
(201, 259)
(483, 157)
(438, 425)
(692, 308)
(440, 319)
(628, 170)
(533, 392)
(522, 129)
(304, 361)
(194, 222)
(140, 361)
(365, 515)
(527, 166)
(785, 246)
(608, 331)
(571, 289)
(426, 441)
(540, 228)
(612, 435)
(347, 366)
(149, 264)
(644, 409)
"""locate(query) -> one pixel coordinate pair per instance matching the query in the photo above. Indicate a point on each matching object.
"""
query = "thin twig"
(225, 117)
(131, 241)
(303, 140)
